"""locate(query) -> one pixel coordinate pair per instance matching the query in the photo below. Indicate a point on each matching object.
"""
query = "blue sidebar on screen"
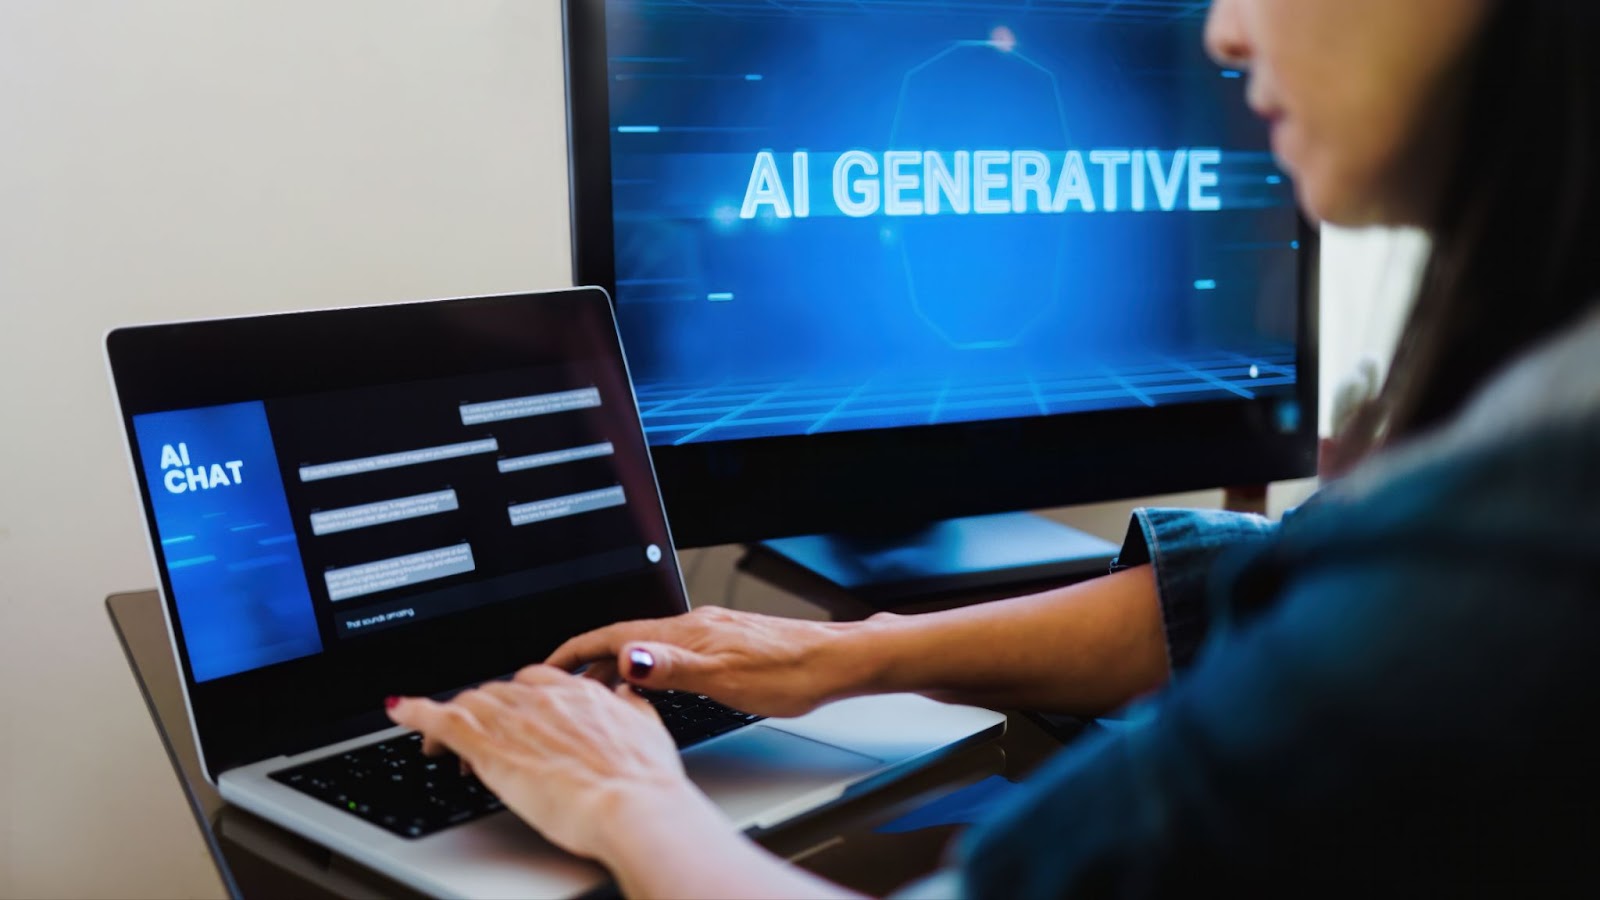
(227, 539)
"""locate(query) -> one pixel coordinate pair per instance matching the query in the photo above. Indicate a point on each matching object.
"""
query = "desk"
(259, 859)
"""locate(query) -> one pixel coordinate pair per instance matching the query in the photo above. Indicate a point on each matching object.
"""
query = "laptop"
(413, 499)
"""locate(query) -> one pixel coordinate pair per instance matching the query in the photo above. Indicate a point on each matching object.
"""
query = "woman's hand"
(596, 773)
(766, 665)
(569, 756)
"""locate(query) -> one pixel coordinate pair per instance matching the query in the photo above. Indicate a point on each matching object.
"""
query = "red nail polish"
(640, 662)
(391, 702)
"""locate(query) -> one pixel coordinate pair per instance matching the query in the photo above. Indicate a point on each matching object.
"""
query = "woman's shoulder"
(1505, 519)
(1555, 382)
(1517, 474)
(1528, 436)
(1540, 483)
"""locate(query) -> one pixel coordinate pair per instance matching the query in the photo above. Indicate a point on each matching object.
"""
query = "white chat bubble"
(398, 460)
(399, 571)
(555, 458)
(526, 407)
(383, 512)
(570, 505)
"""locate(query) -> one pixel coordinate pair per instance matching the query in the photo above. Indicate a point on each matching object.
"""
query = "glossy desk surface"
(844, 843)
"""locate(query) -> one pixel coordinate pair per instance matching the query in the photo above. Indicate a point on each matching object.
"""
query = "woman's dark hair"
(1516, 226)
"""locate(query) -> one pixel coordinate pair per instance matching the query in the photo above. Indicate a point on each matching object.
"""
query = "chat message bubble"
(383, 512)
(398, 460)
(555, 458)
(570, 505)
(399, 571)
(525, 407)
(390, 617)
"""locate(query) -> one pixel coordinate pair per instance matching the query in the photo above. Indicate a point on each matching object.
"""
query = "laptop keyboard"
(692, 718)
(394, 786)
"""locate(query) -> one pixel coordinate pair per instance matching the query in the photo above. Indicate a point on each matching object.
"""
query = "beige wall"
(161, 159)
(170, 158)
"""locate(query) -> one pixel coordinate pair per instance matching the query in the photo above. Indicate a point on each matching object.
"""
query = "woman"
(1386, 689)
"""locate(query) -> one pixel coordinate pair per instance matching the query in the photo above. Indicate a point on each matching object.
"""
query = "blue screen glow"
(836, 217)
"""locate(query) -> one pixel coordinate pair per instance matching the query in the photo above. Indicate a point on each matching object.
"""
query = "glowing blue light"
(1230, 73)
(752, 78)
(719, 298)
(638, 129)
(1274, 179)
(1288, 415)
(1294, 245)
(1205, 284)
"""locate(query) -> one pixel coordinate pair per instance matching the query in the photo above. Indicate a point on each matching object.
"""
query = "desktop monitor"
(879, 264)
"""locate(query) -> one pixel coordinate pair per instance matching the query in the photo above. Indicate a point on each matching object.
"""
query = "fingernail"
(391, 702)
(640, 662)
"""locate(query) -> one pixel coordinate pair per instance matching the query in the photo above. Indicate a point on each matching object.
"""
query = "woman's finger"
(515, 695)
(630, 694)
(665, 667)
(487, 706)
(444, 724)
(545, 674)
(484, 711)
(602, 643)
(603, 671)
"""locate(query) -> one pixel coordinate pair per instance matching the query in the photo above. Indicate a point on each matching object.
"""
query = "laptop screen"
(399, 499)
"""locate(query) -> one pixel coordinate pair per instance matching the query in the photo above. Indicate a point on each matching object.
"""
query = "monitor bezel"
(892, 480)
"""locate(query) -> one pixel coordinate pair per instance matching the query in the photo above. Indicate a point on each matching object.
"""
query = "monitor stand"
(954, 555)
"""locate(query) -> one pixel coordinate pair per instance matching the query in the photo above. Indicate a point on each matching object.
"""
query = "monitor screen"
(842, 217)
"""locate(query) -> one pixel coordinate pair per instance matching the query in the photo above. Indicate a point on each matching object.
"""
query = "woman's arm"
(686, 848)
(1084, 649)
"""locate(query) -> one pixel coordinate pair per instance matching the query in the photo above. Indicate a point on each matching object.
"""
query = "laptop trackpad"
(762, 775)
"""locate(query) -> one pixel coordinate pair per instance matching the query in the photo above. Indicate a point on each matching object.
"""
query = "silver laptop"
(413, 499)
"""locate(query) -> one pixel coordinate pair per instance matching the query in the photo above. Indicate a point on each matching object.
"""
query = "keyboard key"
(692, 718)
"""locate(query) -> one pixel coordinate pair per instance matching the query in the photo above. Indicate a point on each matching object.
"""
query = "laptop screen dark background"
(394, 500)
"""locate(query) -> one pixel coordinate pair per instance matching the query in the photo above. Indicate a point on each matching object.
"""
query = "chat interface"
(844, 216)
(289, 525)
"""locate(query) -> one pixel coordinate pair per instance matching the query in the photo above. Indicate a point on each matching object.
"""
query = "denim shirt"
(1389, 691)
(1183, 546)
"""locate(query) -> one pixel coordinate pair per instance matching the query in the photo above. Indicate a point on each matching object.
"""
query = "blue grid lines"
(683, 413)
